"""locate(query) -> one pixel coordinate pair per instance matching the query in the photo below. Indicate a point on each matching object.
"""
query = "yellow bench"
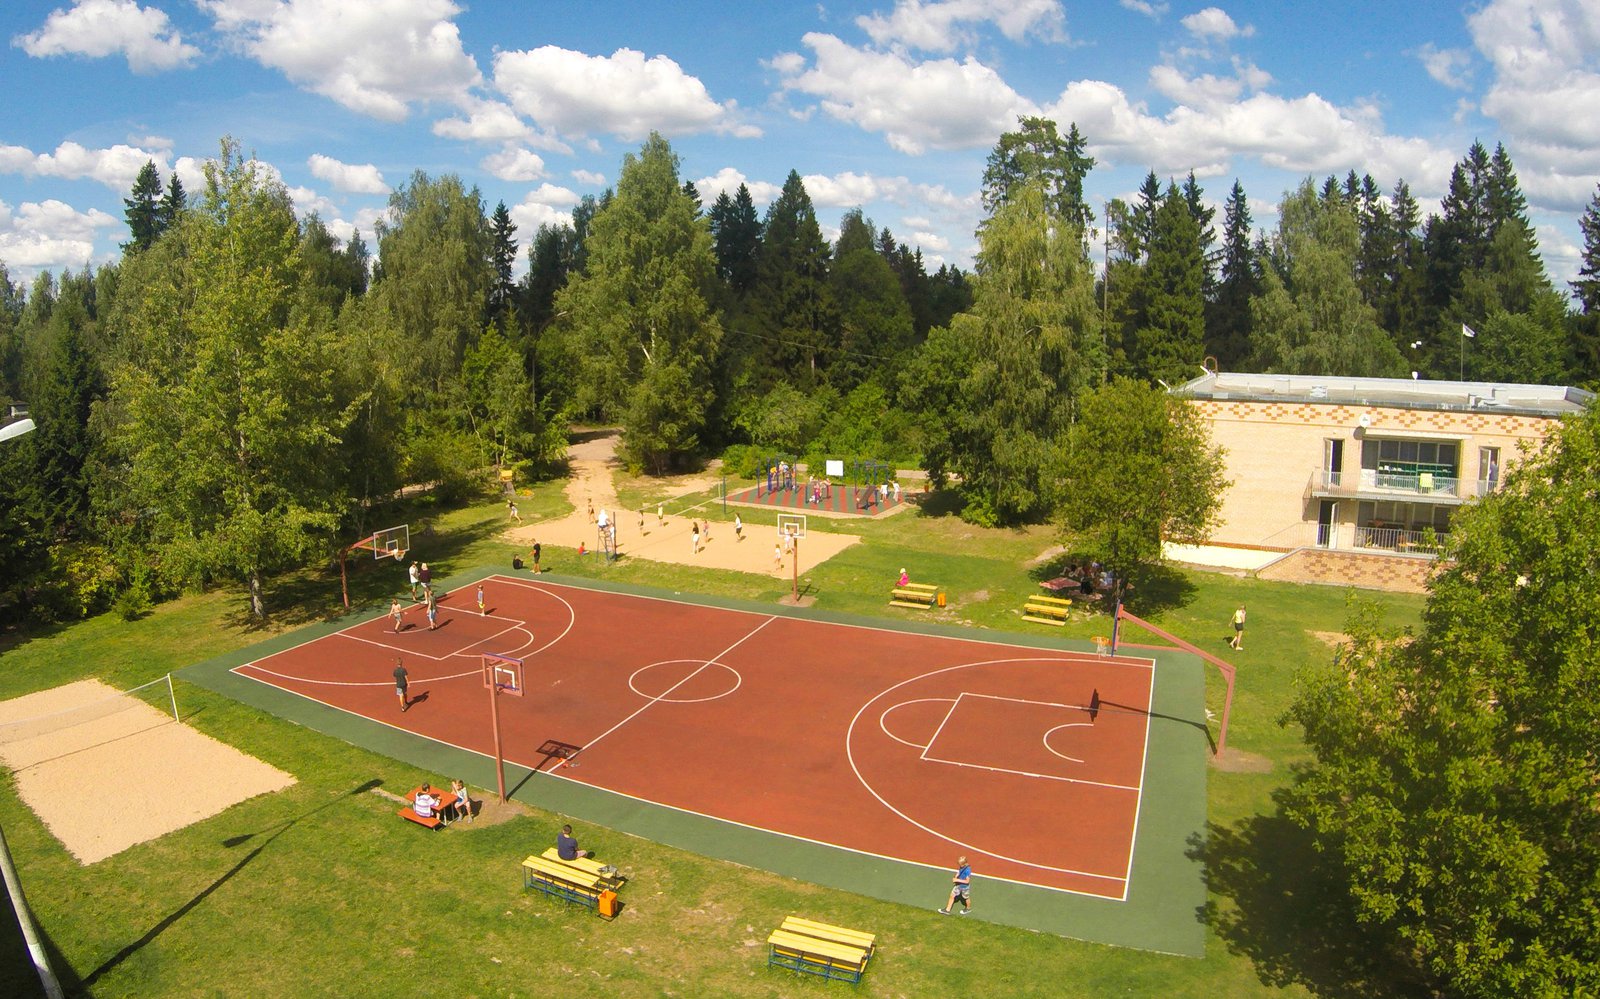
(605, 873)
(816, 956)
(566, 883)
(1047, 610)
(921, 596)
(827, 931)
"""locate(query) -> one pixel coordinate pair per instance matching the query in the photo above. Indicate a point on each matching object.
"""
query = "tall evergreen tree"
(503, 256)
(736, 230)
(173, 203)
(1228, 322)
(875, 320)
(60, 407)
(1171, 344)
(1584, 351)
(793, 307)
(11, 299)
(142, 209)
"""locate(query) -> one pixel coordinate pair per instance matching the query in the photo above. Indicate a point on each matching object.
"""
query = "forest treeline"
(233, 396)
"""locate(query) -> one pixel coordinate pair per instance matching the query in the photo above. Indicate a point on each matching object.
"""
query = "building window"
(1405, 464)
(1488, 470)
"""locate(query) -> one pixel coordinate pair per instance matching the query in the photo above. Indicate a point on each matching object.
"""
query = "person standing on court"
(1237, 641)
(433, 612)
(960, 888)
(394, 612)
(415, 579)
(425, 577)
(483, 610)
(400, 683)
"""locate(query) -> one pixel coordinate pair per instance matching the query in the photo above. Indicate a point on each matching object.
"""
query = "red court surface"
(907, 746)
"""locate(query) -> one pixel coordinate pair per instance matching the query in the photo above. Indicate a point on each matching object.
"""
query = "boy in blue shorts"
(961, 888)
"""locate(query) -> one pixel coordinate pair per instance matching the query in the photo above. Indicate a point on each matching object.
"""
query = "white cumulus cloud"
(623, 94)
(945, 25)
(514, 163)
(114, 166)
(941, 104)
(1448, 67)
(100, 28)
(48, 235)
(589, 177)
(1214, 24)
(545, 205)
(376, 57)
(357, 178)
(727, 181)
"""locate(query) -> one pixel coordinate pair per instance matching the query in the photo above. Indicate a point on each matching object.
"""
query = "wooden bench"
(410, 814)
(1047, 610)
(827, 931)
(817, 956)
(606, 874)
(920, 596)
(560, 881)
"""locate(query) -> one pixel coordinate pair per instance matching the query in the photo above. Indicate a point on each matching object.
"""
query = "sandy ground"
(104, 785)
(594, 462)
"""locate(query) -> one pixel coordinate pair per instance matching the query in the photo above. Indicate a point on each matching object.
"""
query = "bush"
(83, 580)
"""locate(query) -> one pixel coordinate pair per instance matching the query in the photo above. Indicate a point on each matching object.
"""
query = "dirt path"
(594, 464)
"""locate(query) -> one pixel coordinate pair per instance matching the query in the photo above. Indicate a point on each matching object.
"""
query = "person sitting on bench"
(567, 846)
(425, 803)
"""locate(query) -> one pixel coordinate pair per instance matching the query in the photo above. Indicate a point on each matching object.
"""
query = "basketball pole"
(794, 590)
(499, 753)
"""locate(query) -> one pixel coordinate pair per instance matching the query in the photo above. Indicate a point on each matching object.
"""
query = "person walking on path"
(400, 683)
(394, 612)
(705, 531)
(416, 578)
(738, 529)
(694, 535)
(661, 514)
(960, 888)
(641, 522)
(777, 556)
(1237, 641)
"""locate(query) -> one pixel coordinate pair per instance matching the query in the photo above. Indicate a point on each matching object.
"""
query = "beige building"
(1373, 465)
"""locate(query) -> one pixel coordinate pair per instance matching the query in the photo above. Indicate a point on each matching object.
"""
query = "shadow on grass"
(18, 976)
(1283, 908)
(1155, 590)
(161, 927)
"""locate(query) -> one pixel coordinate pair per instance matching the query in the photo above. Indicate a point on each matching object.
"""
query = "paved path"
(593, 464)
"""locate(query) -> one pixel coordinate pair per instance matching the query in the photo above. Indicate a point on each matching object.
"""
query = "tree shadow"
(1154, 589)
(111, 963)
(1283, 907)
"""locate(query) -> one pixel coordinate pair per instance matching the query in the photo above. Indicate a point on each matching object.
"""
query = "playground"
(860, 744)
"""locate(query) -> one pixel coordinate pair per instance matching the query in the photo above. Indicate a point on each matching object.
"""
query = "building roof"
(1398, 393)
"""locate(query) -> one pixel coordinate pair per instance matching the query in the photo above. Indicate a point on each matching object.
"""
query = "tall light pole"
(30, 934)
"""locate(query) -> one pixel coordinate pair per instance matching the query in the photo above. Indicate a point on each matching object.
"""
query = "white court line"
(713, 661)
(1008, 770)
(1149, 703)
(883, 723)
(556, 775)
(867, 785)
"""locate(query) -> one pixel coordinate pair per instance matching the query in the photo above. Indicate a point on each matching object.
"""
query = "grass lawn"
(320, 889)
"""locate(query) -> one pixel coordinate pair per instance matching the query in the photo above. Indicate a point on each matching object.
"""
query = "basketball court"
(794, 736)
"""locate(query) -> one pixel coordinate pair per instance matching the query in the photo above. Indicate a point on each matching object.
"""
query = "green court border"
(1166, 898)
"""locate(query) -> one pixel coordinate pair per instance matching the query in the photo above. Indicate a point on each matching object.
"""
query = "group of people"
(427, 802)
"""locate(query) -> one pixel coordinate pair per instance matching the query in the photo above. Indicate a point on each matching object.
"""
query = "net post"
(174, 697)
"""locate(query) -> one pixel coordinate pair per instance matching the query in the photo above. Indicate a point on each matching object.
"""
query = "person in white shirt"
(425, 802)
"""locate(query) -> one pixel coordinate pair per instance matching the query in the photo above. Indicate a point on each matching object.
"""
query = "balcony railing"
(1366, 482)
(1398, 539)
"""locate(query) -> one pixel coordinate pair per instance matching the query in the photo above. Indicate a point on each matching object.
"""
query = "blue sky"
(891, 106)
